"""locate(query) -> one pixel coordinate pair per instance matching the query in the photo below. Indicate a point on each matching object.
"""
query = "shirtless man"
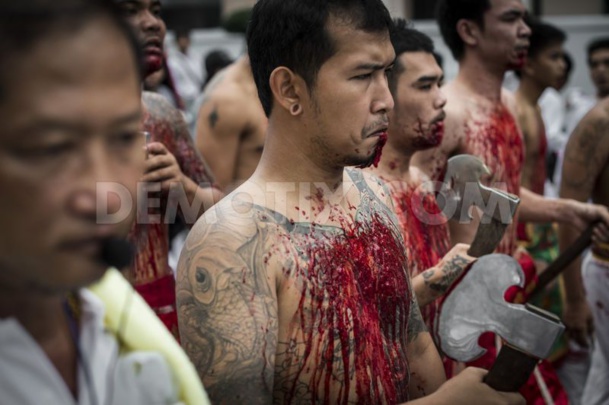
(488, 37)
(295, 287)
(416, 123)
(70, 107)
(586, 176)
(231, 125)
(598, 62)
(544, 67)
(173, 164)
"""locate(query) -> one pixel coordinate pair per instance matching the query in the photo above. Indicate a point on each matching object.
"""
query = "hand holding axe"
(477, 305)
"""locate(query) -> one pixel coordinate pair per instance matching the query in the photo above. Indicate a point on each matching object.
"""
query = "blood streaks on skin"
(426, 240)
(498, 142)
(353, 313)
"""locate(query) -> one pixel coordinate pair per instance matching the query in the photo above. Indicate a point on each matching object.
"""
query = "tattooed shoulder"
(227, 306)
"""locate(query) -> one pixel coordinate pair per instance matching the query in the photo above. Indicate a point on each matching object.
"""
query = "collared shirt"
(105, 375)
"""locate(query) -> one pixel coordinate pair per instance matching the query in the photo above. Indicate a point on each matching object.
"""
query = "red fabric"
(161, 297)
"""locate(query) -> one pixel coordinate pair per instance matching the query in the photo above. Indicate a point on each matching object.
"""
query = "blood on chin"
(153, 63)
(378, 151)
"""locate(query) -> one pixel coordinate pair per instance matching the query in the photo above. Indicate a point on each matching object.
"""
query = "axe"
(477, 305)
(462, 189)
(565, 258)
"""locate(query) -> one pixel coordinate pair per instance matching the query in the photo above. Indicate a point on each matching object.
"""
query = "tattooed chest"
(345, 341)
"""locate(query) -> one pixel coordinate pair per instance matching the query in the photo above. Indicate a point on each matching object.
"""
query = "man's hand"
(468, 388)
(162, 166)
(578, 321)
(580, 215)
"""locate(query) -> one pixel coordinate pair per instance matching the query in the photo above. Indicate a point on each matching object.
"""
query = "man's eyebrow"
(513, 13)
(372, 66)
(430, 78)
(53, 124)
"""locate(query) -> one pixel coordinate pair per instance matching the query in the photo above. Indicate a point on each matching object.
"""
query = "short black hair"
(25, 23)
(542, 36)
(595, 45)
(569, 64)
(405, 38)
(293, 33)
(449, 12)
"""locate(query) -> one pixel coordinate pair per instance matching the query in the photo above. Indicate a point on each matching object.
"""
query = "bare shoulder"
(508, 99)
(378, 186)
(227, 301)
(591, 135)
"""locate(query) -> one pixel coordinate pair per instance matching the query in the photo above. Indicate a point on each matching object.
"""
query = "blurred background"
(213, 25)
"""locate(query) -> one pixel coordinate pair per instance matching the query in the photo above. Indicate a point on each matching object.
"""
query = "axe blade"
(477, 305)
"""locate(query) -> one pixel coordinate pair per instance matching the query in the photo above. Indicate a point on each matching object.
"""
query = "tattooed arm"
(227, 309)
(426, 369)
(434, 282)
(221, 122)
(586, 157)
(172, 157)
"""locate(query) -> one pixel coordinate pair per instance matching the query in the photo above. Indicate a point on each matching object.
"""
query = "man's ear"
(469, 31)
(288, 89)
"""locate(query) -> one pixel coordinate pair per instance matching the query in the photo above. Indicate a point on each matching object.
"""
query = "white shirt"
(187, 76)
(105, 377)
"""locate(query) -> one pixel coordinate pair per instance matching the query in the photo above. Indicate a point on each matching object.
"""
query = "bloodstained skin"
(425, 232)
(378, 151)
(498, 142)
(352, 318)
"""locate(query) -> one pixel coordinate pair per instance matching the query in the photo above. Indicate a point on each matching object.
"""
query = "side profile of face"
(599, 70)
(505, 36)
(348, 106)
(144, 16)
(548, 66)
(71, 120)
(417, 121)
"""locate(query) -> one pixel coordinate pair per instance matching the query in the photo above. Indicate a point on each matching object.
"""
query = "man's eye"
(128, 10)
(363, 77)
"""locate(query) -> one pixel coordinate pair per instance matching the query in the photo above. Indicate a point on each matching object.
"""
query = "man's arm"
(227, 310)
(426, 369)
(585, 157)
(221, 122)
(468, 388)
(434, 282)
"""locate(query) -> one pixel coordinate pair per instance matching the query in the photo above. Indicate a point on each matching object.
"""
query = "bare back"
(299, 304)
(231, 125)
(586, 162)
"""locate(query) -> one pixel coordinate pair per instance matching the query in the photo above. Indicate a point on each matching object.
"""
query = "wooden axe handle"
(487, 238)
(511, 369)
(565, 258)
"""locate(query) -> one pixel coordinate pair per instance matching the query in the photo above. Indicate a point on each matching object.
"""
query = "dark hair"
(293, 33)
(449, 12)
(569, 64)
(215, 61)
(404, 38)
(182, 33)
(25, 23)
(597, 44)
(542, 36)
